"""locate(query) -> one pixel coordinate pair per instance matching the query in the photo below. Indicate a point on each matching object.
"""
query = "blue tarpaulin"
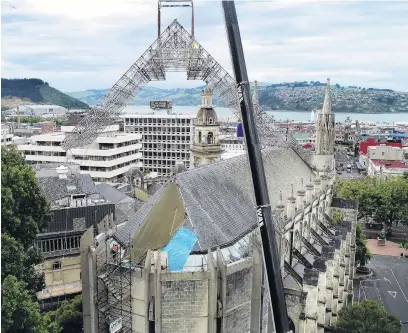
(179, 248)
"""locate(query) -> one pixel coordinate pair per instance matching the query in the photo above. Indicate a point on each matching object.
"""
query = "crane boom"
(264, 212)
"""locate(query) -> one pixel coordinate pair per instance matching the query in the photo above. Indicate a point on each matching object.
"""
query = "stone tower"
(324, 150)
(206, 148)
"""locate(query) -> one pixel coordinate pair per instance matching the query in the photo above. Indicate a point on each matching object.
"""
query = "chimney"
(291, 205)
(18, 116)
(62, 172)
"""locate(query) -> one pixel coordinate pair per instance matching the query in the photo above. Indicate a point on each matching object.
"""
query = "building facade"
(166, 139)
(76, 205)
(231, 146)
(107, 159)
(220, 283)
(206, 147)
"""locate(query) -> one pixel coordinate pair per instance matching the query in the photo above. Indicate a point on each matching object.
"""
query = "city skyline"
(90, 45)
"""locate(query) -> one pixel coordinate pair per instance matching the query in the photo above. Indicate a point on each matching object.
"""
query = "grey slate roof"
(112, 194)
(219, 198)
(124, 232)
(125, 206)
(55, 188)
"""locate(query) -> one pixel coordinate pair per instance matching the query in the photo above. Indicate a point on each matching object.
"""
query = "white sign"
(116, 325)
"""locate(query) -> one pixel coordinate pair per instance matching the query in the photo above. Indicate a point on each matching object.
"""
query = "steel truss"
(113, 291)
(174, 51)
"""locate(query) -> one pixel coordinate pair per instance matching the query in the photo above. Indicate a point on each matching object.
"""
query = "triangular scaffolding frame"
(175, 50)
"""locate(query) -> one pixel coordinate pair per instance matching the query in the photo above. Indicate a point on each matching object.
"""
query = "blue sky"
(88, 44)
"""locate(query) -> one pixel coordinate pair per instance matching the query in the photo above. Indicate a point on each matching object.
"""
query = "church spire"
(255, 99)
(327, 104)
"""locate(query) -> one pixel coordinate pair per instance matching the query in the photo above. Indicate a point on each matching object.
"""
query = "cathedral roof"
(218, 199)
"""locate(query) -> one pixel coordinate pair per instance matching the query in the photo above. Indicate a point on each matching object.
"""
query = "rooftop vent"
(62, 172)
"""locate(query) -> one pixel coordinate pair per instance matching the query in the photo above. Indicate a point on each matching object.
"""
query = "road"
(388, 285)
(342, 158)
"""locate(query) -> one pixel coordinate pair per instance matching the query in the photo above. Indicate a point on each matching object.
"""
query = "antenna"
(174, 3)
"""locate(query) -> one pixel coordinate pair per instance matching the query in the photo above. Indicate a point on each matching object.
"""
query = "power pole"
(264, 212)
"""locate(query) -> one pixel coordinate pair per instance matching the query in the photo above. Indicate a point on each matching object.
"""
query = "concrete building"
(8, 138)
(370, 143)
(136, 278)
(75, 206)
(206, 148)
(231, 146)
(384, 152)
(166, 139)
(386, 168)
(107, 159)
(40, 110)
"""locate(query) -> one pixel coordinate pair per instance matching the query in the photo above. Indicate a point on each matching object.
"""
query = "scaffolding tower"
(113, 290)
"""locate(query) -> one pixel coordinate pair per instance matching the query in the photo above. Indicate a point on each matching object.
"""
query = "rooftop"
(218, 199)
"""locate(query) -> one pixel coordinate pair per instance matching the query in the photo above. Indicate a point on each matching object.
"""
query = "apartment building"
(231, 146)
(166, 139)
(107, 159)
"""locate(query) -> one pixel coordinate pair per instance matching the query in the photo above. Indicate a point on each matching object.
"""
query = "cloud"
(78, 44)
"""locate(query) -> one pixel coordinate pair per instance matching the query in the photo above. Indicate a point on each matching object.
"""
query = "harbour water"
(226, 114)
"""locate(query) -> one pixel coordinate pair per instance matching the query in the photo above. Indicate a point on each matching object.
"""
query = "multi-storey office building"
(107, 159)
(166, 139)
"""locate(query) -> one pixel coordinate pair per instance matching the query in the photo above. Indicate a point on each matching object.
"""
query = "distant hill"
(296, 96)
(30, 91)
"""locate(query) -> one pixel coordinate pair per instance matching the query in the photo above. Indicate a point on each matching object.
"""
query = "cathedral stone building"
(132, 277)
(206, 147)
(324, 150)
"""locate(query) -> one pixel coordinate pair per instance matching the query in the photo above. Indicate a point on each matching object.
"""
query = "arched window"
(210, 121)
(210, 138)
(199, 137)
(56, 265)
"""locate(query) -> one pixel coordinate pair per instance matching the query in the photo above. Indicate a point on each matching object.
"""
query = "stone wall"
(238, 307)
(184, 306)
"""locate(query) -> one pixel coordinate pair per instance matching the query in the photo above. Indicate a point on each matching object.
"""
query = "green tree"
(67, 318)
(367, 316)
(363, 254)
(20, 263)
(19, 312)
(384, 200)
(25, 210)
(338, 216)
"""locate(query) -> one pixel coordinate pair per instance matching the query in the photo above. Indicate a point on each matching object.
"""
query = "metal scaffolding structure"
(175, 50)
(113, 291)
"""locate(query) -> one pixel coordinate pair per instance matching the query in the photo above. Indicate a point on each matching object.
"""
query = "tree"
(363, 254)
(20, 263)
(19, 313)
(338, 216)
(67, 318)
(367, 316)
(383, 200)
(25, 211)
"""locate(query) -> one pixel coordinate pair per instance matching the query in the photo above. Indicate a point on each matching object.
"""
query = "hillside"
(30, 91)
(296, 96)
